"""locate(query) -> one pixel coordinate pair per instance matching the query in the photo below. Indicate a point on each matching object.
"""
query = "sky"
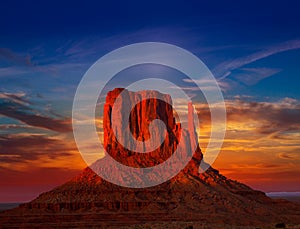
(251, 47)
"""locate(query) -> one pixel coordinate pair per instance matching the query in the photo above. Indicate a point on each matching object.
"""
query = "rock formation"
(142, 114)
(206, 200)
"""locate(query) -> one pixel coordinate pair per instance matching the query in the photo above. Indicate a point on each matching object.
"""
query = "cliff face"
(201, 199)
(150, 105)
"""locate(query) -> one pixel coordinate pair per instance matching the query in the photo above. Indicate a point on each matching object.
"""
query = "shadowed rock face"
(203, 199)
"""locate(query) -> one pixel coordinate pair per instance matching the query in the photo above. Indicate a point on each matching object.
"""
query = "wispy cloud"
(250, 76)
(16, 106)
(21, 154)
(260, 118)
(262, 142)
(93, 47)
(273, 117)
(18, 148)
(14, 70)
(18, 97)
(289, 156)
(15, 58)
(49, 69)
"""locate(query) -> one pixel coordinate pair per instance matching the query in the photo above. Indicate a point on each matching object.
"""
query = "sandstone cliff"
(142, 114)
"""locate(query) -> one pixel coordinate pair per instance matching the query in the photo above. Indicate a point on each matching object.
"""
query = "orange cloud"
(262, 145)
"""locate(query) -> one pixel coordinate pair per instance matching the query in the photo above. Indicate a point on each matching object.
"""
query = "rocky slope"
(207, 200)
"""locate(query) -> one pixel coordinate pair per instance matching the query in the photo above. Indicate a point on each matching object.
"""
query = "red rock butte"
(190, 199)
(158, 107)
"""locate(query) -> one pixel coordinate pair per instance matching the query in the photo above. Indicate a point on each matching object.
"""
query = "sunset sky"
(251, 47)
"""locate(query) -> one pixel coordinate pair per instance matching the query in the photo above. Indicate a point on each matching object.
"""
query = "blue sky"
(252, 48)
(49, 45)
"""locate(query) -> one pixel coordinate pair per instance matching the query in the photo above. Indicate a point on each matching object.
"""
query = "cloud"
(282, 115)
(14, 97)
(24, 151)
(224, 70)
(251, 76)
(49, 69)
(15, 58)
(289, 156)
(9, 127)
(92, 47)
(261, 143)
(14, 70)
(264, 118)
(15, 106)
(255, 166)
(16, 148)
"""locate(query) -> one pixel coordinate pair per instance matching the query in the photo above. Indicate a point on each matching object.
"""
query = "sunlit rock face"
(146, 107)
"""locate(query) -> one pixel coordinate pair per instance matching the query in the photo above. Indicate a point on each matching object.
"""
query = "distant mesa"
(206, 200)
